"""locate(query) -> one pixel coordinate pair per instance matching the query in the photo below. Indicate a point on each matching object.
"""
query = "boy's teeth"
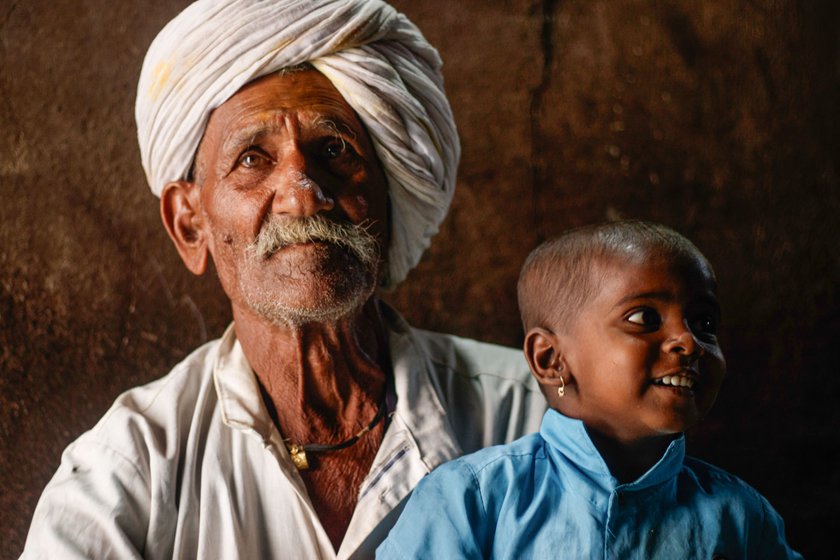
(677, 381)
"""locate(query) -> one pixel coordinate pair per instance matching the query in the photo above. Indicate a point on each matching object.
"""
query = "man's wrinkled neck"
(324, 373)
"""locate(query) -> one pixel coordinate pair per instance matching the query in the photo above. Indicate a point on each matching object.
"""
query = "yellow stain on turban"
(160, 76)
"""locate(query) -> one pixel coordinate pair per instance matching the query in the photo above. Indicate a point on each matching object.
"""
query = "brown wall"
(716, 117)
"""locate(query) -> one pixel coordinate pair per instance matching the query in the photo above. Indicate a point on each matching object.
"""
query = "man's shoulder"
(486, 391)
(479, 370)
(117, 483)
(158, 410)
(472, 357)
(180, 384)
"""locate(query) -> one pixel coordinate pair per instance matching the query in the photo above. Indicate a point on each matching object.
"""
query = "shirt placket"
(621, 513)
(397, 469)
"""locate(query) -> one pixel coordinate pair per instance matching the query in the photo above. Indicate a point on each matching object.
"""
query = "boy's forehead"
(689, 270)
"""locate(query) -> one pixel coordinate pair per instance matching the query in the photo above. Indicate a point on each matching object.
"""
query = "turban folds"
(374, 56)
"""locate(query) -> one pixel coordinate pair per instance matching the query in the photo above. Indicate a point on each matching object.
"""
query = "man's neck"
(325, 380)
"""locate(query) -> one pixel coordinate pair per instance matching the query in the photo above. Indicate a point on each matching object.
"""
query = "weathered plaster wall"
(718, 118)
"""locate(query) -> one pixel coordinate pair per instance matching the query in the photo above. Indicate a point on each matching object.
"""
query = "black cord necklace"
(298, 452)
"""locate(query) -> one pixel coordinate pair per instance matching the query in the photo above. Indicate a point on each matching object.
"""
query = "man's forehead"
(262, 106)
(267, 123)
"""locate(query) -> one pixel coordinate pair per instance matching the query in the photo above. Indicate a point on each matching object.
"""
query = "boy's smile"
(643, 352)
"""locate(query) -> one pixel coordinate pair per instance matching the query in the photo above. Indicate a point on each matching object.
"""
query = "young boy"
(621, 322)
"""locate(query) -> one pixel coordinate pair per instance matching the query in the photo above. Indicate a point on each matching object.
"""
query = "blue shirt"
(551, 495)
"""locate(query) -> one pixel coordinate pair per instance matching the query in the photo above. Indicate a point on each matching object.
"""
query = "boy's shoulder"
(708, 475)
(523, 450)
(718, 482)
(732, 502)
(454, 511)
(493, 468)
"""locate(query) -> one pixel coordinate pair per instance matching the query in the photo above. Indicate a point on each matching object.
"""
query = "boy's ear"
(180, 210)
(542, 350)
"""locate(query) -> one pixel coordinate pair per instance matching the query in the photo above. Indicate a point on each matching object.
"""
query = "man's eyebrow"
(335, 125)
(246, 136)
(249, 134)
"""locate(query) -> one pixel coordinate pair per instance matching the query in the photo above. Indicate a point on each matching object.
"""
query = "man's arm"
(96, 506)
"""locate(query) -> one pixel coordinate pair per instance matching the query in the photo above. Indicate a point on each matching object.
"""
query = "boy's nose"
(683, 342)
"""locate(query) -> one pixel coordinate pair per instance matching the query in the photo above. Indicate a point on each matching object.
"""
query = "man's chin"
(325, 311)
(315, 298)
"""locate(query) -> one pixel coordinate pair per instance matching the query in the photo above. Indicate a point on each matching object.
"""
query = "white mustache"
(278, 232)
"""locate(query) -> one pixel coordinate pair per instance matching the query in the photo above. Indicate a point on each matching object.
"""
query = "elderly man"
(308, 148)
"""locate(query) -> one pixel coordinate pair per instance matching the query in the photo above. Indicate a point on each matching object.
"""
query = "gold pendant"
(298, 455)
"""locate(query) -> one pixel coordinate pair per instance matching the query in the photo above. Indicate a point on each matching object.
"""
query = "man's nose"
(296, 194)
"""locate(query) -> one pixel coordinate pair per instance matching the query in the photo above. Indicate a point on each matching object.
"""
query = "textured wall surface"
(716, 117)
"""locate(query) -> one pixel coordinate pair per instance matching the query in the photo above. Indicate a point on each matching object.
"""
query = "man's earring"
(561, 390)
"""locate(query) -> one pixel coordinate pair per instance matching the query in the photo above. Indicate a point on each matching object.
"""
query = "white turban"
(373, 55)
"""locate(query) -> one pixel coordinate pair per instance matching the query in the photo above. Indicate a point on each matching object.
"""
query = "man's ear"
(180, 210)
(545, 358)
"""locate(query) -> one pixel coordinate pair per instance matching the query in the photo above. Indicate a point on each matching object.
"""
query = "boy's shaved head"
(562, 274)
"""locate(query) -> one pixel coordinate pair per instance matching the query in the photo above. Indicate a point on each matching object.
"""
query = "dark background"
(717, 117)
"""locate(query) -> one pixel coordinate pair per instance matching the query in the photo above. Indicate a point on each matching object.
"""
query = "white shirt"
(191, 465)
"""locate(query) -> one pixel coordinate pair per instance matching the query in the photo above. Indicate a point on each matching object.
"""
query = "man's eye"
(252, 159)
(645, 317)
(335, 148)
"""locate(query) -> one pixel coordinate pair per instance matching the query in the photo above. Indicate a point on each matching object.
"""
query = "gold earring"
(561, 390)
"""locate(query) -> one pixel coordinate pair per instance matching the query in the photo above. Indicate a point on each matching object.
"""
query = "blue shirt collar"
(568, 437)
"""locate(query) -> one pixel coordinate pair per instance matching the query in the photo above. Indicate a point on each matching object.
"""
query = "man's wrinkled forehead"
(282, 103)
(262, 105)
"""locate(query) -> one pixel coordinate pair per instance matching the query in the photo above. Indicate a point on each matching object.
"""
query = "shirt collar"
(418, 404)
(568, 437)
(418, 439)
(240, 400)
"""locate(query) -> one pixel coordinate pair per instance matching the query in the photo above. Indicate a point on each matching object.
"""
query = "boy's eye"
(646, 318)
(705, 324)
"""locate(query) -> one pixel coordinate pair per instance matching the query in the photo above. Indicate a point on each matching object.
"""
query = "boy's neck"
(628, 461)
